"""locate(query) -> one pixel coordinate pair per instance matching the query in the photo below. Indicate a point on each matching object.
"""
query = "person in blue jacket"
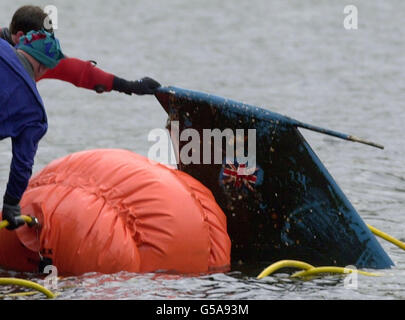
(22, 113)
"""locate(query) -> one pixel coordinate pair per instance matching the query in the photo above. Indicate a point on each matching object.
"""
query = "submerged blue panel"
(290, 207)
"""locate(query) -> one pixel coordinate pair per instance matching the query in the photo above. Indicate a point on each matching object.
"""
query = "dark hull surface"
(290, 207)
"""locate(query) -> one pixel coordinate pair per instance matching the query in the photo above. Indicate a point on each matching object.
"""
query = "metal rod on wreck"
(336, 134)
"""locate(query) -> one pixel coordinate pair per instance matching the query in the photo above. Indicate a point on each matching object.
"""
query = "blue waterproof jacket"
(22, 118)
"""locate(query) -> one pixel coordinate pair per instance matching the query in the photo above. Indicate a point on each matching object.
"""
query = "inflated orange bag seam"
(118, 206)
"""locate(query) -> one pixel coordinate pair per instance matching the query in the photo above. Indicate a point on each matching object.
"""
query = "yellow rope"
(341, 270)
(311, 270)
(28, 284)
(23, 294)
(308, 270)
(387, 237)
(19, 294)
(4, 223)
(284, 264)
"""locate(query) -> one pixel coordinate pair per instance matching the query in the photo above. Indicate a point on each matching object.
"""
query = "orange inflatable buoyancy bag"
(113, 210)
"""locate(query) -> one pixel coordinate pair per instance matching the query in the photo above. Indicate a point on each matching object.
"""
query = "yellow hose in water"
(318, 270)
(387, 237)
(27, 284)
(284, 264)
(311, 270)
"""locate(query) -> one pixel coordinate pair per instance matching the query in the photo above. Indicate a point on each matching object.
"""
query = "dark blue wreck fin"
(290, 207)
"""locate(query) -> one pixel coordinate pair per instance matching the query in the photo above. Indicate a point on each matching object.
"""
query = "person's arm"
(84, 74)
(24, 148)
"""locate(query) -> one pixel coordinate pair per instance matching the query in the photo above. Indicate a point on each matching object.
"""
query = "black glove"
(12, 213)
(144, 86)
